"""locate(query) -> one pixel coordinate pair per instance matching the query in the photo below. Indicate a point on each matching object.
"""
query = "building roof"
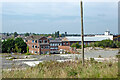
(94, 38)
(33, 37)
(56, 40)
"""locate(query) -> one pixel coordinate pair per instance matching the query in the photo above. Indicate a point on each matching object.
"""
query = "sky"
(48, 17)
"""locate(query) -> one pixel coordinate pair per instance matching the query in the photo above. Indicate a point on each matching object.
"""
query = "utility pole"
(82, 33)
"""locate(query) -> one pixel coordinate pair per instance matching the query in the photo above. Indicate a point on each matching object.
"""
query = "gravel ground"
(8, 64)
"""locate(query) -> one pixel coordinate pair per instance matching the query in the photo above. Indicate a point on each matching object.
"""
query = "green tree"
(20, 44)
(15, 34)
(73, 45)
(11, 45)
(76, 45)
(7, 34)
(8, 46)
(105, 44)
(34, 34)
(118, 44)
(27, 34)
(27, 49)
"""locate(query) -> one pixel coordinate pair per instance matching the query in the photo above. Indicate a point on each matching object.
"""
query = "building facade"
(44, 45)
(38, 44)
(54, 45)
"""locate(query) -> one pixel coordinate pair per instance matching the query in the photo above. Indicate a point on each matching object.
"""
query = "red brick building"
(38, 44)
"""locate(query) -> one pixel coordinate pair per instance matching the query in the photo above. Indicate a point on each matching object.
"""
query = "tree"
(106, 43)
(76, 45)
(118, 44)
(7, 34)
(15, 34)
(27, 34)
(73, 45)
(11, 45)
(27, 49)
(20, 44)
(57, 34)
(62, 35)
(34, 34)
(8, 46)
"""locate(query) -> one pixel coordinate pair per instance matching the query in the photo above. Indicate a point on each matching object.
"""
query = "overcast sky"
(45, 17)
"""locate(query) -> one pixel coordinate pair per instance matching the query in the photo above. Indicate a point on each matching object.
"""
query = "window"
(56, 48)
(35, 41)
(35, 52)
(35, 46)
(32, 41)
(40, 41)
(46, 47)
(60, 44)
(42, 47)
(67, 43)
(55, 44)
(32, 46)
(45, 41)
(51, 44)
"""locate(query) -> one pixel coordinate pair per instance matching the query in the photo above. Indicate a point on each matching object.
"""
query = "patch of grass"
(28, 54)
(8, 55)
(72, 72)
(53, 69)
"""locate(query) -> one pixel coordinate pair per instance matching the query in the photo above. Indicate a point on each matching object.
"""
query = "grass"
(52, 69)
(28, 54)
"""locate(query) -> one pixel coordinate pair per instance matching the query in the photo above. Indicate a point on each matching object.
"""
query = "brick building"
(38, 44)
(44, 45)
(54, 45)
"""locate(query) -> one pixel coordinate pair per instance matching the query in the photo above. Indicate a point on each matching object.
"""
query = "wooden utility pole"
(82, 33)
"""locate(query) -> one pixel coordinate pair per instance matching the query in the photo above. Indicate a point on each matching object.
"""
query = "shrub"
(105, 44)
(92, 59)
(76, 45)
(118, 56)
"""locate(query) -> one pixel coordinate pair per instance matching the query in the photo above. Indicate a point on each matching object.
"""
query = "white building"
(87, 39)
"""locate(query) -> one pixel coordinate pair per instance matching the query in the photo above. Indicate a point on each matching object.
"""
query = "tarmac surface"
(22, 61)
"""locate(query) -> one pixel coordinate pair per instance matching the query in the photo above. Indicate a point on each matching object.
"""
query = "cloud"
(42, 8)
(42, 15)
